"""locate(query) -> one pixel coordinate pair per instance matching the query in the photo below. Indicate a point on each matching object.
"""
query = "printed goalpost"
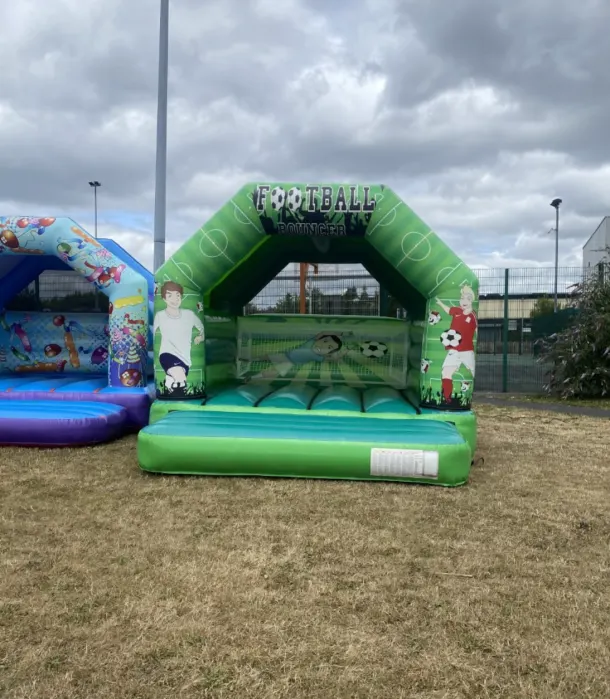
(383, 360)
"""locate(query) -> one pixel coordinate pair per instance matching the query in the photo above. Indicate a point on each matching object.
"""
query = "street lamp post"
(556, 203)
(95, 184)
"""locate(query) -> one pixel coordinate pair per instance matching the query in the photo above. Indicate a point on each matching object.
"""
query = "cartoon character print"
(176, 326)
(15, 235)
(102, 276)
(17, 331)
(434, 318)
(38, 225)
(80, 246)
(24, 349)
(130, 378)
(69, 252)
(128, 347)
(458, 340)
(323, 347)
(23, 333)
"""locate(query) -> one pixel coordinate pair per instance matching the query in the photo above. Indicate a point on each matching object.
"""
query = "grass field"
(599, 403)
(117, 584)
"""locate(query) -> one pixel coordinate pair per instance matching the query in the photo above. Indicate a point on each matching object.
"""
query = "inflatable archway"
(35, 239)
(69, 374)
(209, 358)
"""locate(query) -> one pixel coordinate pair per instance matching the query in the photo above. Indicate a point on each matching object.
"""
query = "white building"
(595, 250)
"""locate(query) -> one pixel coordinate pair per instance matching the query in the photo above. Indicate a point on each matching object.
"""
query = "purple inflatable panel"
(76, 389)
(59, 423)
(137, 405)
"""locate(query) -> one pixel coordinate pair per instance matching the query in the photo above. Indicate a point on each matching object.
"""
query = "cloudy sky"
(477, 112)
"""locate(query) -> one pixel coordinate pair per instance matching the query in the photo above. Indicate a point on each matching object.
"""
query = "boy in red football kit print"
(464, 322)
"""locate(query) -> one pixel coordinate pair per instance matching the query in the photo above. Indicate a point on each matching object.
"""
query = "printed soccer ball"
(425, 365)
(434, 318)
(373, 350)
(465, 387)
(278, 198)
(294, 199)
(451, 339)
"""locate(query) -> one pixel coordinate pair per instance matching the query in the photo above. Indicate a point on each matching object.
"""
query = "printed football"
(278, 198)
(451, 339)
(425, 365)
(434, 317)
(294, 199)
(374, 350)
(465, 387)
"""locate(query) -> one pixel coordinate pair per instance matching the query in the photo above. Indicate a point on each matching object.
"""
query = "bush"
(580, 354)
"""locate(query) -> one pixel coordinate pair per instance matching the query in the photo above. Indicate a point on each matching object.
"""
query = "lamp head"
(556, 203)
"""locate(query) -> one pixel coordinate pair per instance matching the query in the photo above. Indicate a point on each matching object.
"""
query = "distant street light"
(556, 203)
(95, 184)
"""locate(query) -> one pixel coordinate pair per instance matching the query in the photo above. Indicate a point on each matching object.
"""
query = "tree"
(288, 304)
(76, 302)
(366, 303)
(315, 300)
(580, 353)
(349, 296)
(544, 306)
(25, 300)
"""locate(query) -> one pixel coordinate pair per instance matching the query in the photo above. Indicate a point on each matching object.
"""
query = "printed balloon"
(52, 350)
(9, 239)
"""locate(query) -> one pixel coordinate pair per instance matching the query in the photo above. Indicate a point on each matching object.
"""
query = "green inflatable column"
(179, 342)
(449, 348)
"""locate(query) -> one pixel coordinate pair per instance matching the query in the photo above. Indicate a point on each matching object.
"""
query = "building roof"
(601, 223)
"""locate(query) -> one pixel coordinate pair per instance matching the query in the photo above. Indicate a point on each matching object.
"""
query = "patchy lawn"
(602, 403)
(117, 584)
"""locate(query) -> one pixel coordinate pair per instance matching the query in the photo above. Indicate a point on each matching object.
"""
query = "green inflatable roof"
(264, 227)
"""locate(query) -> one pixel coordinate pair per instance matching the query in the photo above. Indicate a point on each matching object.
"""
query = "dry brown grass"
(119, 584)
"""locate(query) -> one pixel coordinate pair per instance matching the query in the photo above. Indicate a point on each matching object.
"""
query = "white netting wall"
(330, 357)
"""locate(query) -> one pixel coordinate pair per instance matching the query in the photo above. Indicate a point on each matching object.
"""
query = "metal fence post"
(505, 336)
(384, 301)
(37, 293)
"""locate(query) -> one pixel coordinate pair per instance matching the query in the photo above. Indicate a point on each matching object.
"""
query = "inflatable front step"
(54, 423)
(248, 443)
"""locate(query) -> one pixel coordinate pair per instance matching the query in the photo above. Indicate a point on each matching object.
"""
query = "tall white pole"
(95, 207)
(161, 168)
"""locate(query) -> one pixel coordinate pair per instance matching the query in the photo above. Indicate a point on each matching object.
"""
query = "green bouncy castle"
(341, 397)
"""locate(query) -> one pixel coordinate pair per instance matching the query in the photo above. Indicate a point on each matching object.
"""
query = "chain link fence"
(516, 307)
(59, 290)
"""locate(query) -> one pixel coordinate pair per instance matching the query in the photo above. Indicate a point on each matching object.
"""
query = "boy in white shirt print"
(176, 327)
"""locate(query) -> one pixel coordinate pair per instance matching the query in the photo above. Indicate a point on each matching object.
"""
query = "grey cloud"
(477, 112)
(229, 69)
(548, 56)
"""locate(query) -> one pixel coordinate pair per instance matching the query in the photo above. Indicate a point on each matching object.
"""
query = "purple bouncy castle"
(75, 366)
